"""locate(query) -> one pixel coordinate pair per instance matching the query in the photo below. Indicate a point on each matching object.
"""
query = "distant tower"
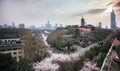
(48, 26)
(21, 26)
(100, 24)
(5, 26)
(13, 25)
(113, 20)
(82, 22)
(56, 26)
(42, 26)
(48, 22)
(1, 26)
(61, 25)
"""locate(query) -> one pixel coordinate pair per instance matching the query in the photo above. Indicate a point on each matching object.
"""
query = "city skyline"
(69, 12)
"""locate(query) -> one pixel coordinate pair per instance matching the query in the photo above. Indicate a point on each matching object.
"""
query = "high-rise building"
(5, 26)
(22, 26)
(82, 22)
(48, 26)
(32, 27)
(113, 20)
(56, 26)
(1, 26)
(13, 25)
(100, 24)
(61, 25)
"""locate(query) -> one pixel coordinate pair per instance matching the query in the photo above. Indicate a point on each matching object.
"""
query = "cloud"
(110, 3)
(91, 11)
(38, 11)
(95, 11)
(117, 4)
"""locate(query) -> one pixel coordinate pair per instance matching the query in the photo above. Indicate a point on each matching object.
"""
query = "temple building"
(82, 22)
(84, 27)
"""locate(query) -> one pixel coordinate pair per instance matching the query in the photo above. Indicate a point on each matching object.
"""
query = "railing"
(107, 61)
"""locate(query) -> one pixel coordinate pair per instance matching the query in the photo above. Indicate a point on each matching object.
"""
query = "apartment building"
(11, 43)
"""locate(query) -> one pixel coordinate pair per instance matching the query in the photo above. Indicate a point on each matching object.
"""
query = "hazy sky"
(67, 12)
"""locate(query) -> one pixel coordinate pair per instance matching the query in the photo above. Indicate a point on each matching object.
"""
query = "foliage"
(118, 50)
(24, 65)
(63, 45)
(67, 66)
(98, 52)
(101, 34)
(69, 31)
(54, 35)
(71, 66)
(38, 57)
(100, 60)
(7, 63)
(33, 40)
(77, 65)
(89, 55)
(76, 33)
(54, 38)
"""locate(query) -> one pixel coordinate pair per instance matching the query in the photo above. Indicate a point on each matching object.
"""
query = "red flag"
(116, 42)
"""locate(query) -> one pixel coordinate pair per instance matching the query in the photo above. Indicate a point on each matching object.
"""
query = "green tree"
(67, 66)
(69, 31)
(72, 66)
(69, 44)
(76, 33)
(33, 40)
(38, 57)
(77, 65)
(118, 50)
(7, 63)
(101, 59)
(24, 65)
(101, 32)
(90, 55)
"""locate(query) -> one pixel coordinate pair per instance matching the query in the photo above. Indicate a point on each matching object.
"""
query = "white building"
(12, 45)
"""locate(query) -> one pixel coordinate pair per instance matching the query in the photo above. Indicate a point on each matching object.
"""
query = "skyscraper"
(21, 26)
(13, 25)
(113, 20)
(100, 24)
(61, 25)
(5, 26)
(48, 25)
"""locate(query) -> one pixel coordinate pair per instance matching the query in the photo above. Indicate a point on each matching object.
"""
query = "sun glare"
(109, 9)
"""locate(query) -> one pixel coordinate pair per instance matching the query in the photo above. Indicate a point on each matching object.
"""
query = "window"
(14, 49)
(14, 52)
(20, 57)
(20, 52)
